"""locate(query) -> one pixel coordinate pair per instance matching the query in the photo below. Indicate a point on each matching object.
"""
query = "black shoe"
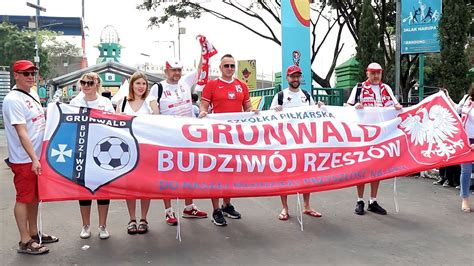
(439, 182)
(218, 218)
(359, 208)
(229, 211)
(375, 207)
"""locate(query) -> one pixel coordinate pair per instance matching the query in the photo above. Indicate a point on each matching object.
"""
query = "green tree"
(16, 45)
(259, 17)
(453, 32)
(368, 48)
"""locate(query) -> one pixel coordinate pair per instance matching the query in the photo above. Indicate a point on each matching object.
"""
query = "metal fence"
(4, 89)
(330, 96)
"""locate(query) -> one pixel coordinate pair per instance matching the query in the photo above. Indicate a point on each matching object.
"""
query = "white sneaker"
(85, 232)
(103, 234)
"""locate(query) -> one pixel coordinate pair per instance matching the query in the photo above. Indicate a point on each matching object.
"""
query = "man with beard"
(293, 96)
(174, 98)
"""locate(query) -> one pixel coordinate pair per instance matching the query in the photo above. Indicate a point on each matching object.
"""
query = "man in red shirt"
(225, 95)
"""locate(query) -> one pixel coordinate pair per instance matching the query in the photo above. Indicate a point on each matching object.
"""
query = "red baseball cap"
(374, 67)
(293, 69)
(173, 63)
(22, 65)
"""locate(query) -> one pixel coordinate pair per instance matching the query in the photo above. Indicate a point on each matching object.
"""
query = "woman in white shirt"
(90, 85)
(138, 102)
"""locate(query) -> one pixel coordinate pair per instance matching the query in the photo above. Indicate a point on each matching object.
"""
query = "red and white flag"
(89, 154)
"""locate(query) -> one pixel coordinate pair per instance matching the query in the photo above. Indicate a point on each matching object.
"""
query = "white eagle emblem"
(436, 128)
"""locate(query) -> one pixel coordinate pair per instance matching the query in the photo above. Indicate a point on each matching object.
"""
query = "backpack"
(358, 91)
(160, 91)
(124, 102)
(306, 93)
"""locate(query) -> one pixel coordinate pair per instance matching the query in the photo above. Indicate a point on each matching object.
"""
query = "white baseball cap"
(173, 63)
(375, 67)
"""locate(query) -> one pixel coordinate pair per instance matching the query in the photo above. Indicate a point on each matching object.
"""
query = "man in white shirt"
(293, 96)
(174, 98)
(24, 126)
(372, 92)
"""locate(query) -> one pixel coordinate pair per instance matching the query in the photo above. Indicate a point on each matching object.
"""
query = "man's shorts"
(26, 182)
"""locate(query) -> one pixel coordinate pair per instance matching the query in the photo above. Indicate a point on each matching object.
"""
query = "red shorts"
(26, 182)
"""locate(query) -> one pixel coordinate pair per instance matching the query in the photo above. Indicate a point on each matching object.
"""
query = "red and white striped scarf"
(368, 98)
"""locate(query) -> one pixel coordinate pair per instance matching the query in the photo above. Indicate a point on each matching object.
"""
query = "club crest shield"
(92, 148)
(433, 132)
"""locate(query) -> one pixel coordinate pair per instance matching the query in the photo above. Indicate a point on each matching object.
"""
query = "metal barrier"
(330, 96)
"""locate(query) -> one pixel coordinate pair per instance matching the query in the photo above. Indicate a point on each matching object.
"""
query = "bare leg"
(284, 203)
(306, 197)
(360, 190)
(86, 214)
(188, 201)
(103, 210)
(226, 201)
(21, 217)
(167, 203)
(32, 218)
(145, 205)
(215, 203)
(374, 188)
(131, 206)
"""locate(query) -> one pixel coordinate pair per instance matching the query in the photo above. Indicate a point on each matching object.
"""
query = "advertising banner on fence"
(419, 24)
(247, 72)
(90, 154)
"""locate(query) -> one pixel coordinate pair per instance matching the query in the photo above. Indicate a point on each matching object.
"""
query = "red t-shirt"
(226, 97)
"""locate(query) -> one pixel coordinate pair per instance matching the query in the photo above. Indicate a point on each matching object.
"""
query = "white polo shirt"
(19, 108)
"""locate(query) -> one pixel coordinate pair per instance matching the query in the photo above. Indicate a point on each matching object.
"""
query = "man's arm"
(203, 108)
(28, 146)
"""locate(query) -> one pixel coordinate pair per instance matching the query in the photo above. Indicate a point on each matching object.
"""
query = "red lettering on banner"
(269, 129)
(329, 130)
(303, 130)
(241, 135)
(348, 131)
(222, 129)
(201, 133)
(367, 136)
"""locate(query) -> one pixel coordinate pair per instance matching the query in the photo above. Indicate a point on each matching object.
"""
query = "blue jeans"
(466, 170)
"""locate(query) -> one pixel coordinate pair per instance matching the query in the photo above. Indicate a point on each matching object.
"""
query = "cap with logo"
(293, 69)
(173, 63)
(22, 65)
(374, 67)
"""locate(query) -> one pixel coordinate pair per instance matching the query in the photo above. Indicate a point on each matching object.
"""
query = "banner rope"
(299, 211)
(178, 228)
(395, 192)
(39, 223)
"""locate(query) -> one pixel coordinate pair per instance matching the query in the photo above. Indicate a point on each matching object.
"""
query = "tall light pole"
(180, 31)
(37, 59)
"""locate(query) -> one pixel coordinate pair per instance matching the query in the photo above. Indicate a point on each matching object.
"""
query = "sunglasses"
(89, 83)
(229, 65)
(27, 74)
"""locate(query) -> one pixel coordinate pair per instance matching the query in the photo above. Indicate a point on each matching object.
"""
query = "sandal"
(143, 226)
(32, 249)
(283, 216)
(132, 227)
(313, 213)
(45, 239)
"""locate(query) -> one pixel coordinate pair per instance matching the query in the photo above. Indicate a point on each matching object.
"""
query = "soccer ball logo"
(111, 153)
